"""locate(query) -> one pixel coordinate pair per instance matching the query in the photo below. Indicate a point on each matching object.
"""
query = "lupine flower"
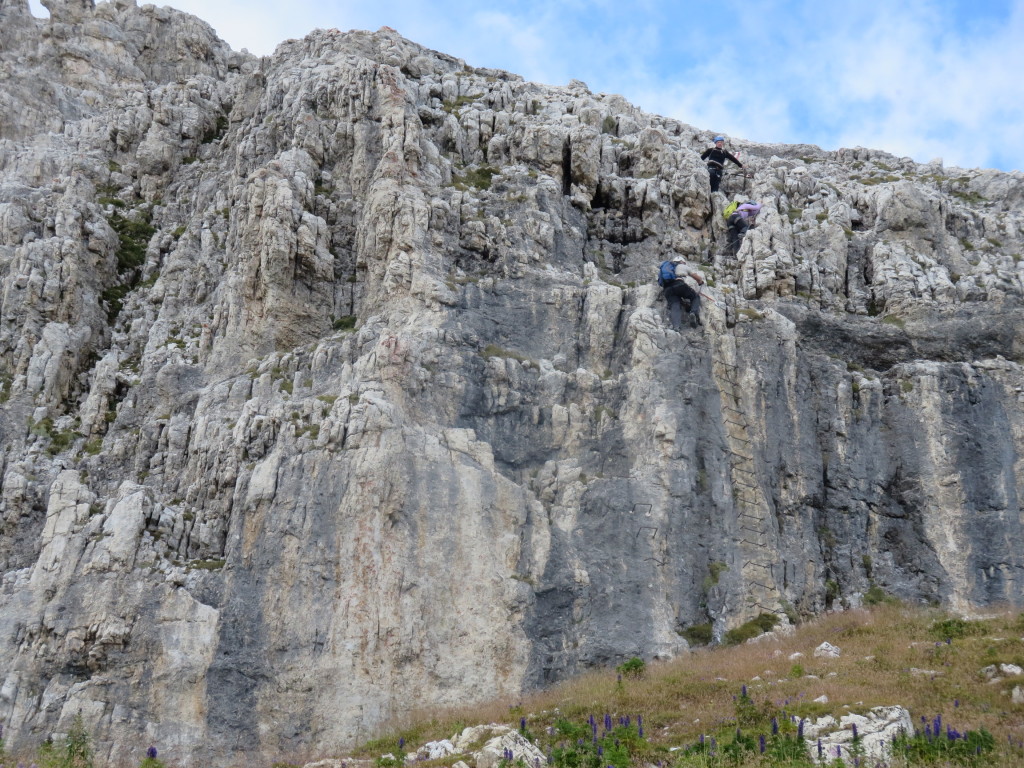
(401, 743)
(640, 725)
(760, 742)
(839, 750)
(600, 750)
(522, 723)
(819, 749)
(151, 753)
(775, 727)
(744, 689)
(607, 722)
(702, 739)
(800, 729)
(854, 731)
(956, 703)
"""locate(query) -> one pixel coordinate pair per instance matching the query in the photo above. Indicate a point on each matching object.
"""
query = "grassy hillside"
(925, 660)
(711, 708)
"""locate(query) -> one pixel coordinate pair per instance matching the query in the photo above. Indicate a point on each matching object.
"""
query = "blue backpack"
(666, 273)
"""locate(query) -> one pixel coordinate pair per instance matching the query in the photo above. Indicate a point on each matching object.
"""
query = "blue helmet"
(719, 138)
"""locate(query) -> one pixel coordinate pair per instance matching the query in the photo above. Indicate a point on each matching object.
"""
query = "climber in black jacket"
(716, 157)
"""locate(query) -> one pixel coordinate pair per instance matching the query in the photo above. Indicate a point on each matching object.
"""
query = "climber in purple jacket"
(739, 222)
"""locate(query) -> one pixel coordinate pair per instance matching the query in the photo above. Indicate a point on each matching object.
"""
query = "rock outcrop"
(337, 382)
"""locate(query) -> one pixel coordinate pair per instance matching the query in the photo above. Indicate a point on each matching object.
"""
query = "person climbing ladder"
(716, 157)
(672, 276)
(739, 221)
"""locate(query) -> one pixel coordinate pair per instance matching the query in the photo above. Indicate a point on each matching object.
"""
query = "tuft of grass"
(478, 178)
(764, 622)
(493, 350)
(634, 667)
(698, 634)
(893, 320)
(453, 106)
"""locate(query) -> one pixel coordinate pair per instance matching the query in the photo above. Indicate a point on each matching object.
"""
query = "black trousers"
(738, 227)
(716, 176)
(676, 293)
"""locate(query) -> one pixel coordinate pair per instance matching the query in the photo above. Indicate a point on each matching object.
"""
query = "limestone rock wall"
(337, 381)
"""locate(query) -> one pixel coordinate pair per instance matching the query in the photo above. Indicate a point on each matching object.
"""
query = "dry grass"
(890, 655)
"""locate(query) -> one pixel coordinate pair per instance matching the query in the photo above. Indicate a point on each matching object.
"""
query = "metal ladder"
(754, 531)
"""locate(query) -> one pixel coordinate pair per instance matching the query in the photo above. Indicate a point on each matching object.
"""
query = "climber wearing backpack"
(672, 275)
(740, 218)
(716, 157)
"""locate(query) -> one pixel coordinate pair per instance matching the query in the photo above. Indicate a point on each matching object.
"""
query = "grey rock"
(827, 650)
(336, 383)
(875, 732)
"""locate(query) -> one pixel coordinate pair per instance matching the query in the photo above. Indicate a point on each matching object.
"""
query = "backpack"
(666, 273)
(730, 209)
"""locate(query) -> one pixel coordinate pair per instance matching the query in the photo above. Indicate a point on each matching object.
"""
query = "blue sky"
(924, 78)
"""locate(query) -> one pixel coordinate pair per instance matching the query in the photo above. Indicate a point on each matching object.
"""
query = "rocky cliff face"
(337, 382)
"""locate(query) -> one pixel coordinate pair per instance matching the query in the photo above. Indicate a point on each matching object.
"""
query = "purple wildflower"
(151, 753)
(839, 750)
(854, 731)
(607, 722)
(819, 749)
(640, 725)
(775, 727)
(800, 729)
(761, 743)
(938, 725)
(600, 750)
(956, 703)
(401, 743)
(744, 690)
(522, 723)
